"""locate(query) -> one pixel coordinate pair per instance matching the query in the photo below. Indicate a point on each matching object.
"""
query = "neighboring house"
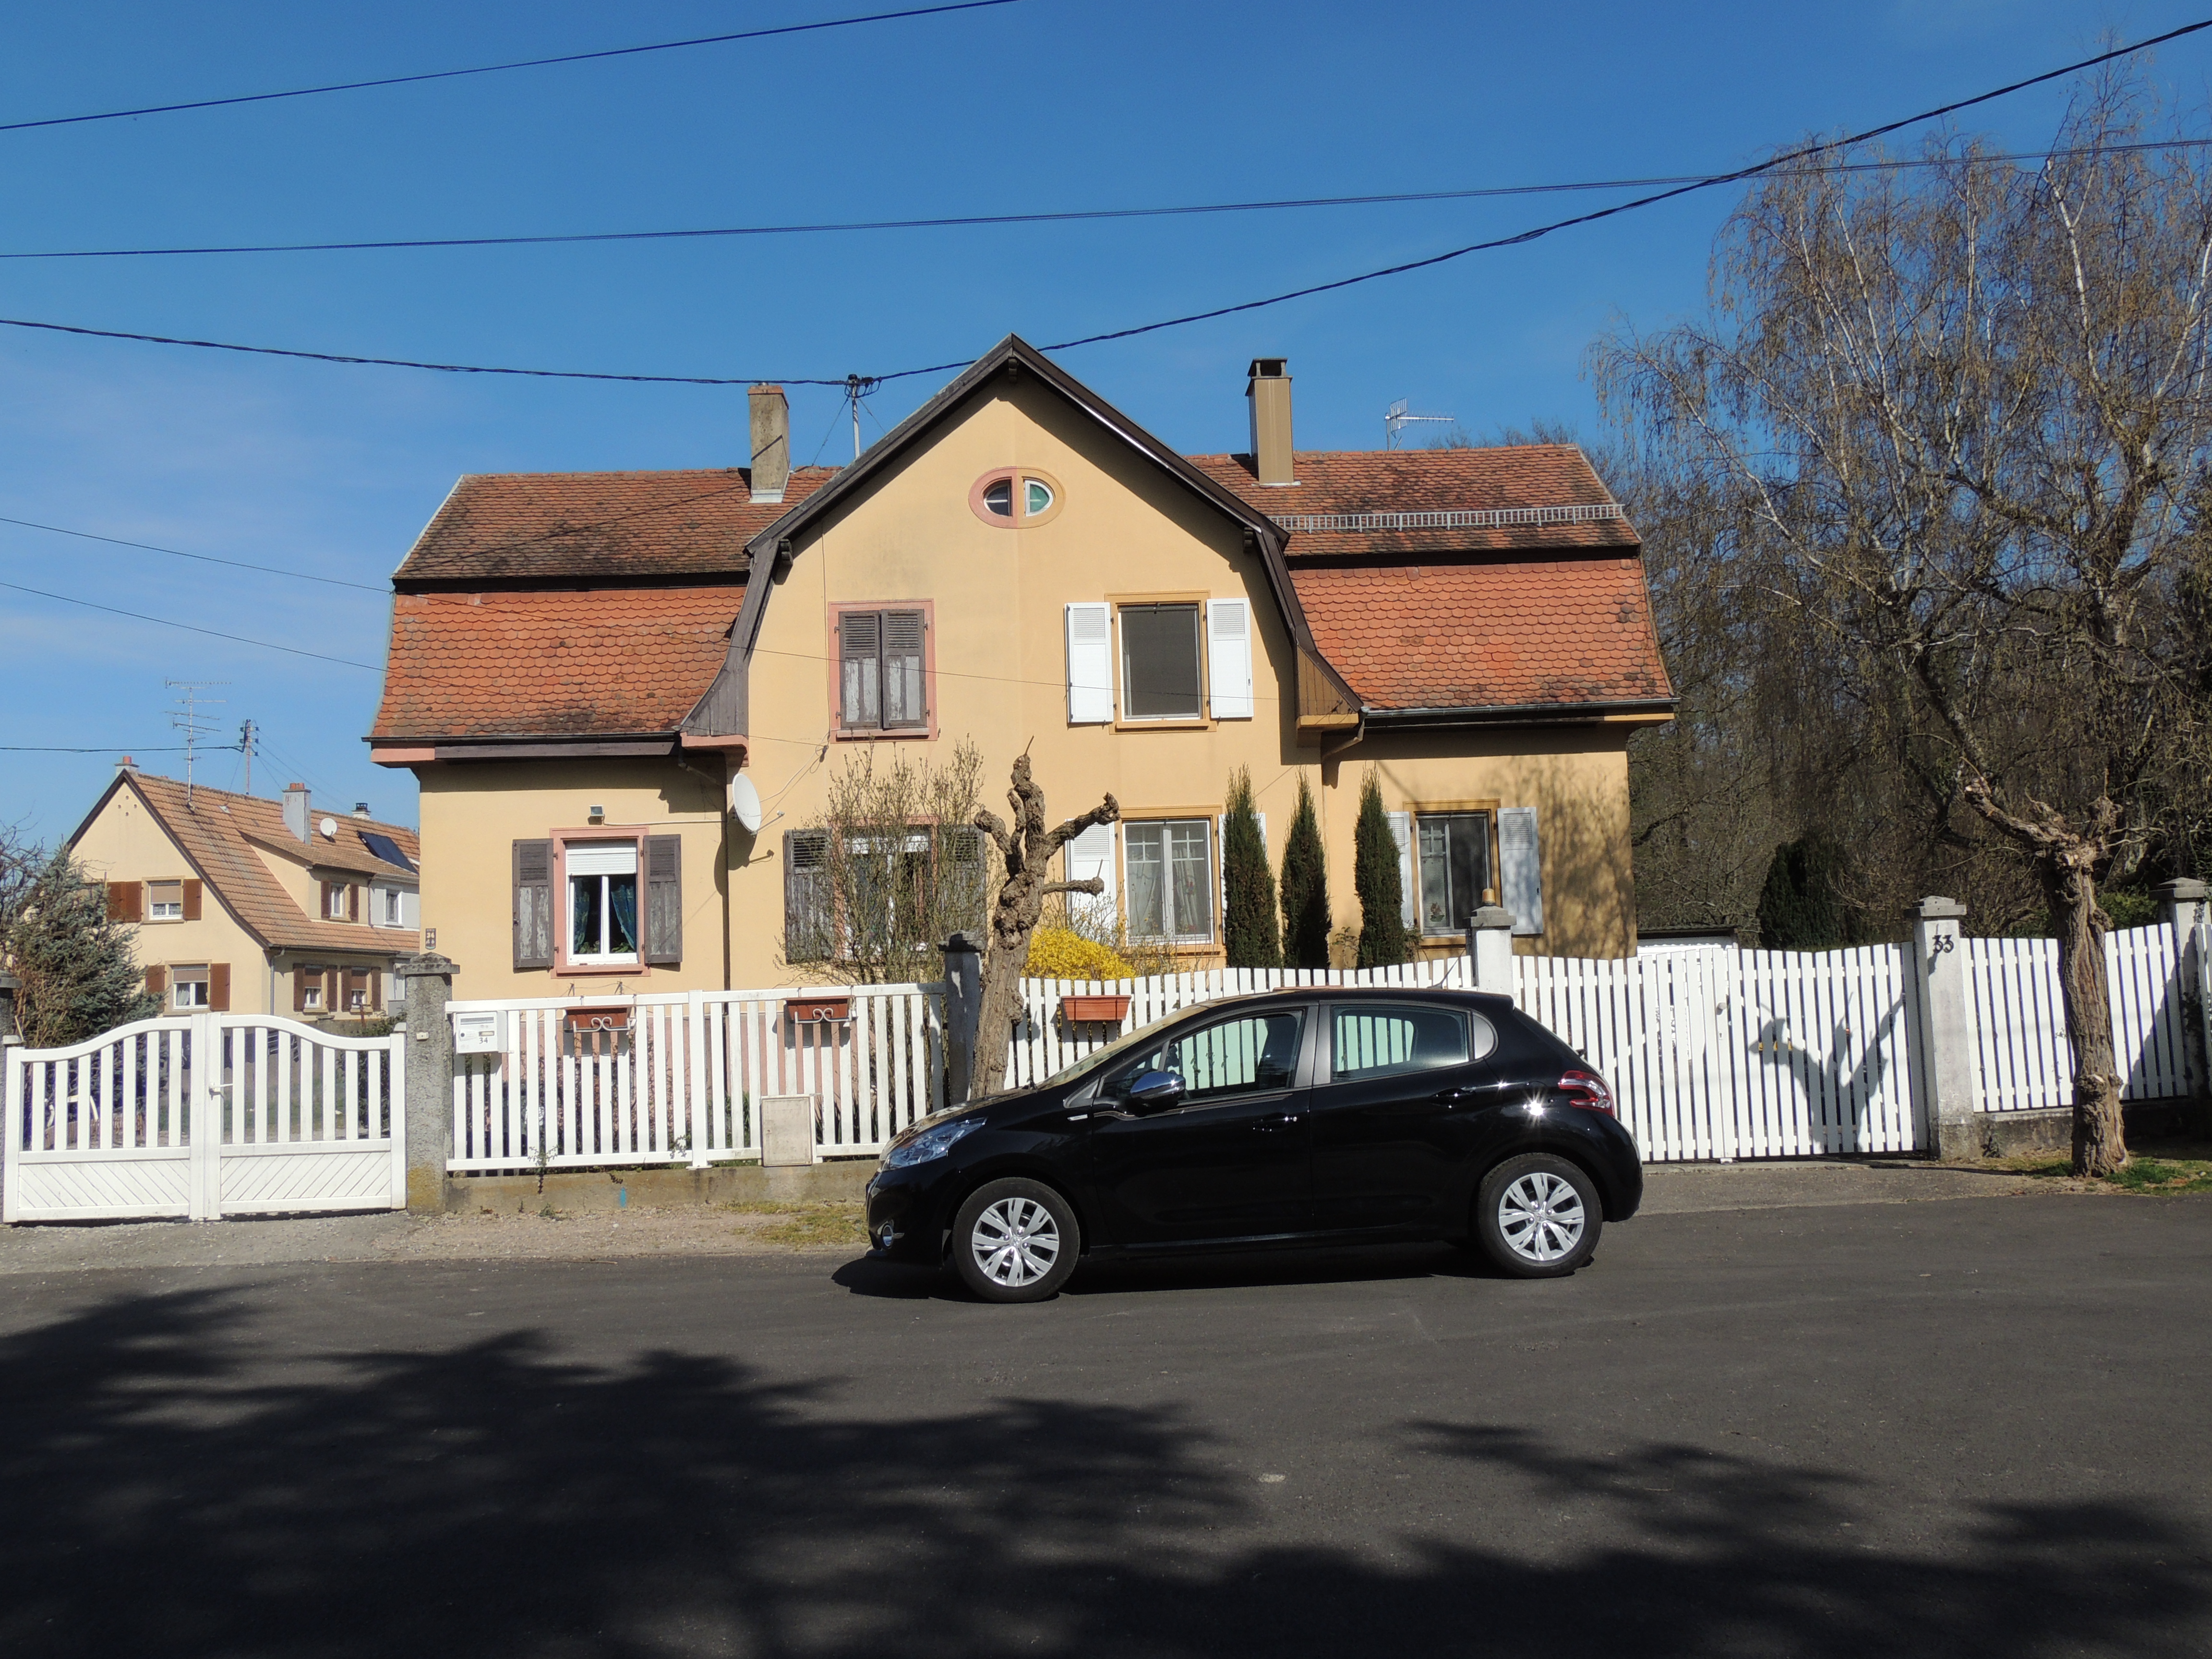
(581, 663)
(254, 905)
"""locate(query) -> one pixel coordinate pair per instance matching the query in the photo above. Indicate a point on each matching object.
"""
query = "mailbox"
(478, 1033)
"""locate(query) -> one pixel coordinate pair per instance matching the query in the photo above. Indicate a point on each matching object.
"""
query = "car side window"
(1371, 1041)
(1250, 1053)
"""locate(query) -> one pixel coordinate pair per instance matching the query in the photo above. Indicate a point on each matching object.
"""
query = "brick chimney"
(1268, 392)
(295, 810)
(771, 442)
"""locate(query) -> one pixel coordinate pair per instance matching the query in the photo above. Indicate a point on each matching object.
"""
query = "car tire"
(1538, 1216)
(1015, 1241)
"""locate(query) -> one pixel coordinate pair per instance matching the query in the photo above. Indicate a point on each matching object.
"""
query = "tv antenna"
(188, 719)
(1397, 419)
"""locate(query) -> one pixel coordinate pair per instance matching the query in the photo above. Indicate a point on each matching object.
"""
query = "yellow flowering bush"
(1063, 953)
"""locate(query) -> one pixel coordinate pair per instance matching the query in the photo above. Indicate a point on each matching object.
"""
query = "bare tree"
(1026, 850)
(1964, 410)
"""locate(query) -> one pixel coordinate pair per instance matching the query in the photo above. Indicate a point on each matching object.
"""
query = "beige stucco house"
(580, 664)
(248, 905)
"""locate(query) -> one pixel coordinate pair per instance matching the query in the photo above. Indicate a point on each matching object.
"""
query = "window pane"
(1147, 874)
(1436, 876)
(584, 915)
(999, 498)
(1159, 662)
(1455, 861)
(1192, 892)
(622, 914)
(1470, 868)
(1384, 1042)
(1037, 496)
(1237, 1056)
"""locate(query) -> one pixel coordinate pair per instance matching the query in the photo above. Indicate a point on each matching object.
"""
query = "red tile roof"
(605, 661)
(1478, 630)
(1523, 477)
(501, 527)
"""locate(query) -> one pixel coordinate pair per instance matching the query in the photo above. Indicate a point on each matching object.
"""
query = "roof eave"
(1520, 714)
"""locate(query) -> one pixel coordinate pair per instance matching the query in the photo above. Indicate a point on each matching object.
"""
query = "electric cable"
(1068, 216)
(101, 749)
(499, 68)
(171, 622)
(204, 558)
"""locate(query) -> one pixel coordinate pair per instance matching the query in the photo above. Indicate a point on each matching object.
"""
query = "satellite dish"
(330, 826)
(745, 804)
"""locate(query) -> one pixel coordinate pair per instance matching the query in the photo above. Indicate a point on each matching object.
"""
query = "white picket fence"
(677, 1077)
(2018, 1020)
(202, 1116)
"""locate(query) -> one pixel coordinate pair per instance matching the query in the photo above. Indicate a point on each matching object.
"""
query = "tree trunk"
(2099, 1139)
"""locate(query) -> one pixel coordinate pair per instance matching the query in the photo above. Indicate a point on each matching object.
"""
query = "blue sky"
(1040, 105)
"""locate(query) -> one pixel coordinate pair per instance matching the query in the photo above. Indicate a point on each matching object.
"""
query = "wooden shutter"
(157, 982)
(664, 901)
(1409, 891)
(859, 670)
(1090, 665)
(126, 901)
(192, 900)
(353, 900)
(906, 698)
(806, 895)
(376, 990)
(1229, 658)
(219, 987)
(533, 904)
(1520, 869)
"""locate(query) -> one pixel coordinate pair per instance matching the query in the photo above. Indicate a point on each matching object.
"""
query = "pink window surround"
(564, 965)
(874, 734)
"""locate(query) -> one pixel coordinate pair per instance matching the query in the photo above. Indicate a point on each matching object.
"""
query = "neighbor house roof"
(610, 661)
(539, 527)
(218, 832)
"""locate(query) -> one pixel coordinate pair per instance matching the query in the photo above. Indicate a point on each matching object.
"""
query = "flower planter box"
(818, 1011)
(1094, 1010)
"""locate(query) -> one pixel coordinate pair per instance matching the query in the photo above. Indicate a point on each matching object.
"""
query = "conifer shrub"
(80, 975)
(1382, 941)
(1305, 886)
(1248, 932)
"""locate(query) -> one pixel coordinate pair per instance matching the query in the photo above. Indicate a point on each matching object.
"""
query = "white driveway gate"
(202, 1116)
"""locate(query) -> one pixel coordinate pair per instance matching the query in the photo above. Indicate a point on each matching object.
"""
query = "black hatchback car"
(1315, 1115)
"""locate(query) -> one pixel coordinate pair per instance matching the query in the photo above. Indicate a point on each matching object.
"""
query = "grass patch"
(2162, 1173)
(806, 1224)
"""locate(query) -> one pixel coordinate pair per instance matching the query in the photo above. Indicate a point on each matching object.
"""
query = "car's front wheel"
(1015, 1241)
(1538, 1216)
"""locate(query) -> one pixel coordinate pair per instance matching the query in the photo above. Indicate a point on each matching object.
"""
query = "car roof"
(1490, 1001)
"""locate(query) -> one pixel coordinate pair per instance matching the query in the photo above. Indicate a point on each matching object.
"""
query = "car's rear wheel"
(1538, 1216)
(1015, 1241)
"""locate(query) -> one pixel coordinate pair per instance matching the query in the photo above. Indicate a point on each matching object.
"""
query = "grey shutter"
(905, 698)
(1522, 886)
(806, 896)
(533, 904)
(664, 901)
(859, 669)
(1409, 891)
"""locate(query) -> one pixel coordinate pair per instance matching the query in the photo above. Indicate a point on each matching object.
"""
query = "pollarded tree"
(1383, 940)
(1966, 405)
(1305, 886)
(77, 971)
(1248, 935)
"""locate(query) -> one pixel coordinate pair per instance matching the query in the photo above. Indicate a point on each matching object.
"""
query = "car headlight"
(930, 1143)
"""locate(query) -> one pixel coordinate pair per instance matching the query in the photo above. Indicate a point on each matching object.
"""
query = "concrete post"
(1944, 1041)
(428, 982)
(964, 1013)
(2188, 906)
(1490, 944)
(9, 986)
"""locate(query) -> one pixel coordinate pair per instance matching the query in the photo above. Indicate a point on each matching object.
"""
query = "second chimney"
(1268, 392)
(295, 810)
(771, 442)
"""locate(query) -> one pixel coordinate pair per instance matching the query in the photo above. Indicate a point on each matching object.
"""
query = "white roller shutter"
(1520, 868)
(1409, 898)
(1229, 658)
(1091, 853)
(1089, 665)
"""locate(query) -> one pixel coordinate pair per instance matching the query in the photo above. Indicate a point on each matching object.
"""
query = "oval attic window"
(1011, 497)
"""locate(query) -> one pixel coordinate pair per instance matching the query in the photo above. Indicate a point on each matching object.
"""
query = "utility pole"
(246, 748)
(853, 383)
(188, 719)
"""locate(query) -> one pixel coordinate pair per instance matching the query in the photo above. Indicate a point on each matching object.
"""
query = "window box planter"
(1094, 1010)
(819, 1010)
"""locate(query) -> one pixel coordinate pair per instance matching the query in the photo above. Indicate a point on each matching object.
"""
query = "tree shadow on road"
(181, 1482)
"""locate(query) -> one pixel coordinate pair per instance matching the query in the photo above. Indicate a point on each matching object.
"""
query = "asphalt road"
(1972, 1427)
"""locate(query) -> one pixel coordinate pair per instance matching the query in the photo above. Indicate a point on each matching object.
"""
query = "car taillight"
(1587, 1091)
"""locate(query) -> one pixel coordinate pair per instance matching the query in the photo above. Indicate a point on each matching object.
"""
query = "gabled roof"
(217, 831)
(536, 528)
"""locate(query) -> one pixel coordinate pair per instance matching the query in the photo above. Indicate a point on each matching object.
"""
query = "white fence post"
(1945, 1043)
(1490, 942)
(698, 1098)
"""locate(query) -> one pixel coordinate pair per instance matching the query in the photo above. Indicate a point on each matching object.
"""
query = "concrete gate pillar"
(1490, 946)
(428, 982)
(1945, 1043)
(963, 1015)
(2187, 903)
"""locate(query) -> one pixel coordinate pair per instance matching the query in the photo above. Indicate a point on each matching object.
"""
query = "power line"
(499, 69)
(1066, 217)
(171, 622)
(204, 558)
(100, 749)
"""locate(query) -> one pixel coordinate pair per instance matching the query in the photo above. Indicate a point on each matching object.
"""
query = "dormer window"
(1013, 497)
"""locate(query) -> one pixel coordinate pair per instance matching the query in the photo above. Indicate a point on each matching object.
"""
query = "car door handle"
(1283, 1120)
(1455, 1097)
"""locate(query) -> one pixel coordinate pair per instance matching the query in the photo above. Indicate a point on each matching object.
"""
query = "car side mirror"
(1155, 1091)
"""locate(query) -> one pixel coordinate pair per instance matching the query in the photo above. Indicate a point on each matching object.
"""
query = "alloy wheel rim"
(1542, 1216)
(1015, 1242)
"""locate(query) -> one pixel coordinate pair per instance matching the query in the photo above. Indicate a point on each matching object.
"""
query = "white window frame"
(160, 910)
(604, 957)
(1134, 829)
(199, 983)
(310, 988)
(1489, 819)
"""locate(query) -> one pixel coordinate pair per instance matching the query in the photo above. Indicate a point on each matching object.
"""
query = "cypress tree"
(1383, 940)
(1799, 906)
(1305, 887)
(80, 977)
(1248, 910)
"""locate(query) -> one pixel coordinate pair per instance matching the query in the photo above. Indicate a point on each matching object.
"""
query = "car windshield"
(1113, 1051)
